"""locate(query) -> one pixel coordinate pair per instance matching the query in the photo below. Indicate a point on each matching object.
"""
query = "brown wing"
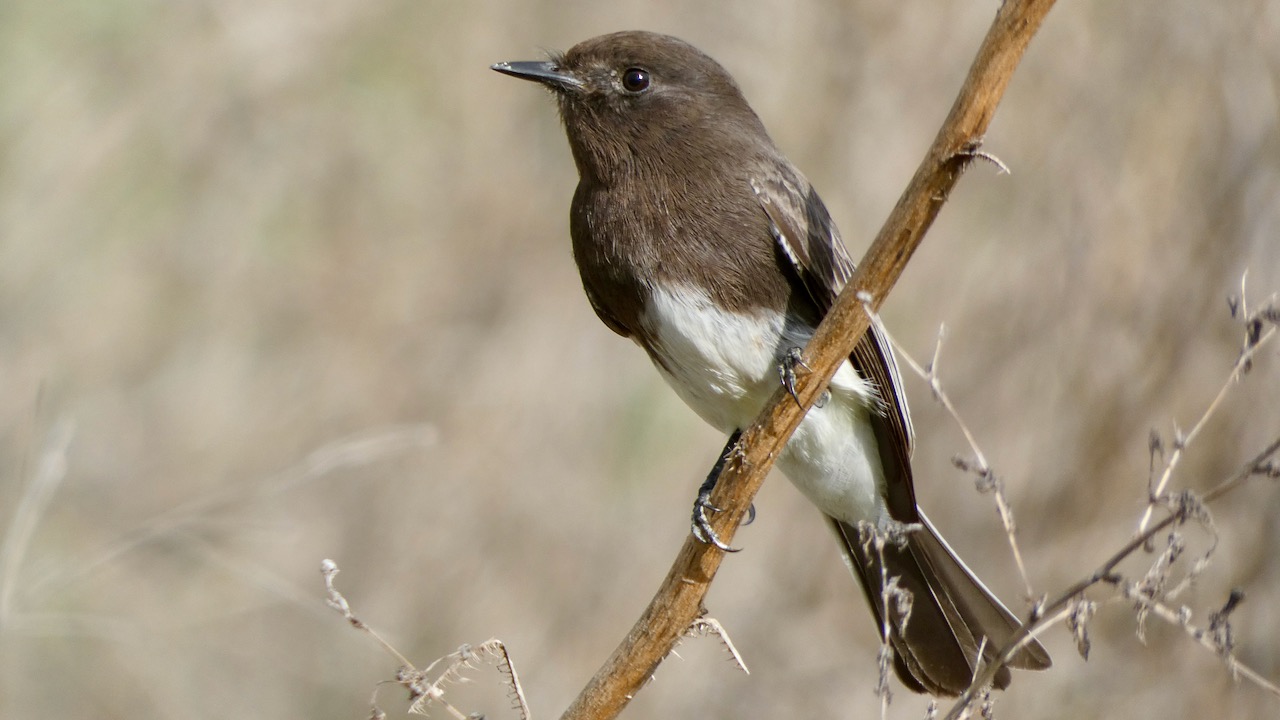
(937, 651)
(808, 241)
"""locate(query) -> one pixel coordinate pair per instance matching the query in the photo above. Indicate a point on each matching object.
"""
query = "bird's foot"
(787, 371)
(702, 506)
(702, 523)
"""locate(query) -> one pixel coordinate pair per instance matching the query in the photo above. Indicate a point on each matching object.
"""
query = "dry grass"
(290, 280)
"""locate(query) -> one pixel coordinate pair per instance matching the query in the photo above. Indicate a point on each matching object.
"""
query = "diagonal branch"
(679, 600)
(1053, 611)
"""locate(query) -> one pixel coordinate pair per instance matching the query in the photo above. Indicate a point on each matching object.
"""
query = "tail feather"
(978, 606)
(936, 649)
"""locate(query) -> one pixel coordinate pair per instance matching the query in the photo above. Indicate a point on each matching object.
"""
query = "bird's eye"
(635, 80)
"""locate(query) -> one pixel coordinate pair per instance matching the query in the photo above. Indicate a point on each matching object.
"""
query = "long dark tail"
(936, 651)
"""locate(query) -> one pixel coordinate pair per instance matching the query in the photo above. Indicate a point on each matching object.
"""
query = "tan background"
(291, 279)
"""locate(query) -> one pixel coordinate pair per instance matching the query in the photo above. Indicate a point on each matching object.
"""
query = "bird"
(697, 239)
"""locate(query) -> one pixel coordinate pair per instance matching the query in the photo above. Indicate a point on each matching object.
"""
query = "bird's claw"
(701, 523)
(787, 371)
(702, 529)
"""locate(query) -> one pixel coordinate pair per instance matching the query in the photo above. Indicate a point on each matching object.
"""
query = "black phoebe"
(698, 240)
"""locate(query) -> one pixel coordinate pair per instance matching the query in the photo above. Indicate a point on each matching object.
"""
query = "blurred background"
(286, 280)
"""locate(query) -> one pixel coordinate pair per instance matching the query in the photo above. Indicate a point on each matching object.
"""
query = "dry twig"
(1066, 607)
(705, 626)
(423, 691)
(1072, 607)
(986, 479)
(1257, 332)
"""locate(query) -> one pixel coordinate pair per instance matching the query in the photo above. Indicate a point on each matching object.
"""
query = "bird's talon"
(702, 529)
(787, 372)
(701, 525)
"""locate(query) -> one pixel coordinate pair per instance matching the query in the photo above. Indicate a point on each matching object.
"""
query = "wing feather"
(808, 241)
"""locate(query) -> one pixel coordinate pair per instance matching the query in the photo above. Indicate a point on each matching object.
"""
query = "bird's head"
(634, 100)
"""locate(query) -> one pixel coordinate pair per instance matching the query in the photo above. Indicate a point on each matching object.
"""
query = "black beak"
(545, 72)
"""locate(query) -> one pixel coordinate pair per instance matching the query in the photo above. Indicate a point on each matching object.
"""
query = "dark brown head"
(639, 100)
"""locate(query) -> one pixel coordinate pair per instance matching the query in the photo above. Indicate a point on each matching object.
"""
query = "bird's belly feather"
(724, 365)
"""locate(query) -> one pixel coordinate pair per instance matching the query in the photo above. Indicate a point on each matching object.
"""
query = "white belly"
(725, 367)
